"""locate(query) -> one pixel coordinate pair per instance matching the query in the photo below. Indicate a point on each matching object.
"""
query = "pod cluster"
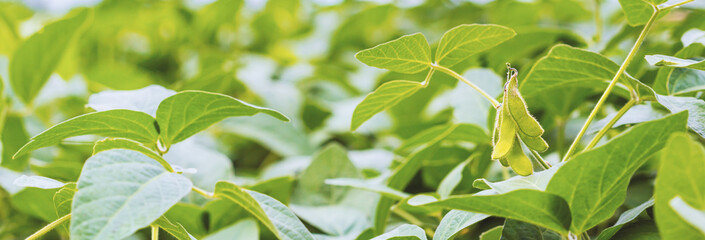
(513, 125)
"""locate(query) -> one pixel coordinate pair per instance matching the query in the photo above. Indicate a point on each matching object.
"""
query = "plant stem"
(609, 125)
(203, 192)
(428, 77)
(540, 159)
(155, 232)
(674, 5)
(598, 22)
(49, 227)
(614, 81)
(454, 74)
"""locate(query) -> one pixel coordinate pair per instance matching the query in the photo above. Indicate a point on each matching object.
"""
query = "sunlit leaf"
(407, 54)
(454, 221)
(384, 97)
(695, 217)
(405, 231)
(668, 61)
(461, 42)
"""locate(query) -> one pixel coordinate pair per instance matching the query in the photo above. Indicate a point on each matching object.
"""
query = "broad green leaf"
(404, 232)
(144, 100)
(210, 165)
(368, 186)
(175, 229)
(494, 233)
(626, 217)
(330, 162)
(245, 229)
(694, 106)
(63, 200)
(461, 132)
(189, 112)
(638, 12)
(668, 61)
(450, 181)
(37, 57)
(122, 143)
(282, 138)
(680, 174)
(516, 230)
(461, 42)
(128, 124)
(141, 191)
(407, 54)
(13, 137)
(668, 85)
(539, 208)
(566, 67)
(594, 183)
(384, 97)
(695, 217)
(536, 181)
(685, 80)
(272, 213)
(454, 221)
(190, 216)
(38, 182)
(337, 220)
(35, 202)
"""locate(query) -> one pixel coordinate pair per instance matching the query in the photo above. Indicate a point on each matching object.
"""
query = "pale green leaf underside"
(368, 186)
(668, 61)
(680, 174)
(63, 199)
(128, 124)
(273, 214)
(454, 221)
(461, 42)
(624, 218)
(694, 106)
(123, 143)
(37, 57)
(696, 217)
(539, 208)
(594, 197)
(405, 232)
(37, 182)
(407, 54)
(384, 97)
(189, 112)
(140, 191)
(175, 229)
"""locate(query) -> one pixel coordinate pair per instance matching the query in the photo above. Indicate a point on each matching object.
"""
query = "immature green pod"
(520, 163)
(507, 135)
(535, 143)
(517, 107)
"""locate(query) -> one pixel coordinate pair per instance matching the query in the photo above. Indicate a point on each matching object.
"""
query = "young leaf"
(384, 97)
(122, 143)
(140, 191)
(272, 213)
(594, 183)
(454, 221)
(539, 208)
(405, 231)
(626, 217)
(37, 57)
(407, 54)
(188, 112)
(175, 229)
(461, 42)
(680, 174)
(695, 217)
(668, 61)
(128, 124)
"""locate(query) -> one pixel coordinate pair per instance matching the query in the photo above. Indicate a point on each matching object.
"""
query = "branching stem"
(613, 83)
(49, 227)
(454, 74)
(609, 125)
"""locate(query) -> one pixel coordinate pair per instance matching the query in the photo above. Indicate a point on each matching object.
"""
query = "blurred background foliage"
(296, 56)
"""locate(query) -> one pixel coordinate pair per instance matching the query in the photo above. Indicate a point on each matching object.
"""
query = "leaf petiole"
(454, 74)
(203, 192)
(155, 232)
(611, 123)
(49, 227)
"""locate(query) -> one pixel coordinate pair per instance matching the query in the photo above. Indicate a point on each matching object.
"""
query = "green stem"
(598, 22)
(454, 74)
(428, 77)
(540, 159)
(613, 83)
(611, 123)
(49, 227)
(155, 232)
(669, 7)
(560, 138)
(203, 192)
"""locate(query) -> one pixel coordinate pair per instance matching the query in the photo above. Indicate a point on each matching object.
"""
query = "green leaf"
(694, 106)
(37, 57)
(407, 54)
(282, 138)
(337, 220)
(684, 80)
(144, 100)
(461, 42)
(680, 174)
(626, 217)
(668, 61)
(461, 132)
(128, 124)
(175, 229)
(368, 186)
(38, 182)
(330, 162)
(515, 230)
(454, 221)
(536, 181)
(384, 97)
(245, 229)
(63, 200)
(13, 137)
(594, 183)
(122, 143)
(189, 112)
(695, 217)
(141, 191)
(494, 233)
(450, 181)
(272, 213)
(35, 202)
(535, 207)
(404, 232)
(638, 12)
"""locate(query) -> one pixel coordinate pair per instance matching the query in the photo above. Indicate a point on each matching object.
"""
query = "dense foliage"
(342, 119)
